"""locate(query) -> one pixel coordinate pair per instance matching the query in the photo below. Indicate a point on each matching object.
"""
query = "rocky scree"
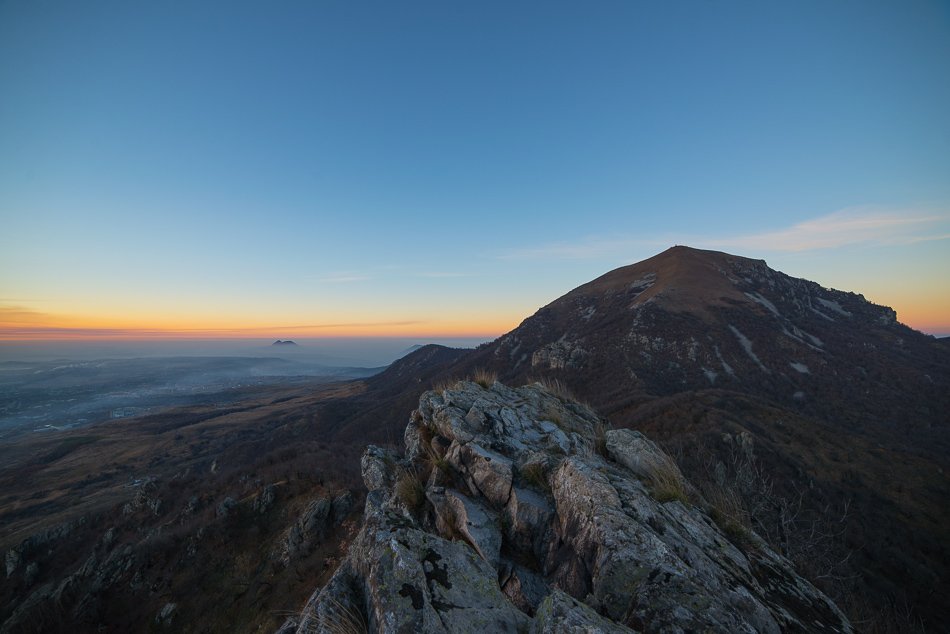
(510, 514)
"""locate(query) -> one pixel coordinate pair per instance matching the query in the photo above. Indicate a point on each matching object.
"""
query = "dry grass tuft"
(410, 490)
(339, 619)
(433, 460)
(667, 483)
(535, 475)
(485, 378)
(448, 523)
(729, 513)
(556, 388)
(444, 385)
(556, 416)
(599, 437)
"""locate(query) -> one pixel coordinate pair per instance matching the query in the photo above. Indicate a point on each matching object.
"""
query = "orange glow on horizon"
(20, 324)
(420, 331)
(98, 331)
(25, 324)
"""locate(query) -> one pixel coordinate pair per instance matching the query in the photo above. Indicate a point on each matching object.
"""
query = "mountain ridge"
(832, 395)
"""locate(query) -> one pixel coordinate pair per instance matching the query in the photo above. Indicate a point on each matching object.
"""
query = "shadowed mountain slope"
(688, 319)
(827, 416)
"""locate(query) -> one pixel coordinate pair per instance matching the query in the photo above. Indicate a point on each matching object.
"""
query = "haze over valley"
(49, 387)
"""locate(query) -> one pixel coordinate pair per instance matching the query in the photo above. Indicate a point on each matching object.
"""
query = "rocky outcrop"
(516, 510)
(21, 553)
(313, 525)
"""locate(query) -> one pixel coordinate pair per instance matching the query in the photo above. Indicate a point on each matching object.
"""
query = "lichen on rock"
(526, 527)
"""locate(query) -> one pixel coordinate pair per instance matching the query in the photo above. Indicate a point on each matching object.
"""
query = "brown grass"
(410, 490)
(727, 510)
(432, 460)
(341, 619)
(443, 385)
(725, 505)
(599, 437)
(556, 388)
(485, 378)
(449, 523)
(667, 483)
(535, 475)
(556, 416)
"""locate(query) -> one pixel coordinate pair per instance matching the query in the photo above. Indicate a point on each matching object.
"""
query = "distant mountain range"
(283, 343)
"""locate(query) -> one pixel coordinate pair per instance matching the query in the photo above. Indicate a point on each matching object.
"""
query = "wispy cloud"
(438, 275)
(344, 278)
(846, 227)
(11, 315)
(853, 226)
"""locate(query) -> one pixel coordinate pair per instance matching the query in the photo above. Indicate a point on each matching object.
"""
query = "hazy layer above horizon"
(331, 352)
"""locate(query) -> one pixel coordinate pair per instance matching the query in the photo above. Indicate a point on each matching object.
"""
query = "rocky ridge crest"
(515, 509)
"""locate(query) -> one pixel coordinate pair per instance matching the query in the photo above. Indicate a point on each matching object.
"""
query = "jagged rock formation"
(517, 510)
(317, 519)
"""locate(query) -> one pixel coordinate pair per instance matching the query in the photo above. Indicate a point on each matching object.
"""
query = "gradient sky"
(445, 168)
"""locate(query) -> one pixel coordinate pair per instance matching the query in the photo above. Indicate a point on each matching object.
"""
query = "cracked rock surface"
(517, 510)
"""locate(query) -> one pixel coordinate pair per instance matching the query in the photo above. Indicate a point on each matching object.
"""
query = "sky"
(443, 169)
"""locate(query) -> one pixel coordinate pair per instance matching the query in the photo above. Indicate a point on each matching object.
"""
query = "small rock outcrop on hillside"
(516, 510)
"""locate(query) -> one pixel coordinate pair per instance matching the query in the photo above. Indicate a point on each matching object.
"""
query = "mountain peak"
(692, 319)
(681, 278)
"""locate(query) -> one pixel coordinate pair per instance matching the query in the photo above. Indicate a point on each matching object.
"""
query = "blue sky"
(453, 166)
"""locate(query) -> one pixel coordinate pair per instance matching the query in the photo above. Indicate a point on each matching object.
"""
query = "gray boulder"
(525, 526)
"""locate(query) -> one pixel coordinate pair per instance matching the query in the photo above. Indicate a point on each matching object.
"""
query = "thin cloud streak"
(844, 228)
(23, 332)
(853, 226)
(434, 275)
(19, 314)
(343, 279)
